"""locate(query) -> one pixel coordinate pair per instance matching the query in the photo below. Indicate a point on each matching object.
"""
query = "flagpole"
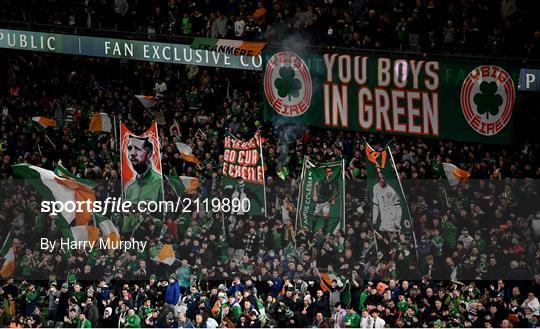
(405, 200)
(259, 141)
(446, 197)
(161, 168)
(119, 142)
(300, 196)
(375, 240)
(50, 141)
(114, 129)
(343, 195)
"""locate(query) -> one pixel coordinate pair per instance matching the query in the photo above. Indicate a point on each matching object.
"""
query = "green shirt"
(133, 321)
(345, 296)
(352, 320)
(146, 188)
(235, 312)
(84, 324)
(363, 298)
(184, 276)
(402, 305)
(31, 296)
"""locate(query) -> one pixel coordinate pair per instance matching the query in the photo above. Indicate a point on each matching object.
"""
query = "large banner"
(321, 203)
(448, 100)
(243, 173)
(390, 209)
(142, 179)
(125, 49)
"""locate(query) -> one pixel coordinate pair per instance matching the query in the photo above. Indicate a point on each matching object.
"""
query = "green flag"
(63, 172)
(322, 197)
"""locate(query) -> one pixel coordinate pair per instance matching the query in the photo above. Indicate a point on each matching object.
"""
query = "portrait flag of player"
(321, 204)
(142, 178)
(390, 209)
(243, 174)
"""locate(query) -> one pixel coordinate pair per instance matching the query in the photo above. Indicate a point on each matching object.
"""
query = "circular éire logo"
(287, 84)
(487, 98)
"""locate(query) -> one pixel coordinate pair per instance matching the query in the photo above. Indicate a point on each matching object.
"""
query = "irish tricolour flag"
(63, 172)
(166, 255)
(43, 123)
(107, 227)
(7, 253)
(454, 174)
(82, 233)
(100, 122)
(55, 188)
(184, 184)
(147, 101)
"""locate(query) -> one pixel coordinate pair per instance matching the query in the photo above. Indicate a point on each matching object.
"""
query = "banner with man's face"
(142, 179)
(390, 209)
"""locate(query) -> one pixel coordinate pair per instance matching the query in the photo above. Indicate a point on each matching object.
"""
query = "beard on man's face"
(139, 167)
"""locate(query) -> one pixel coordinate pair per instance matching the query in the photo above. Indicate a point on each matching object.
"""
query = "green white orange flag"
(147, 101)
(100, 122)
(82, 233)
(326, 281)
(186, 153)
(43, 123)
(63, 172)
(166, 255)
(109, 231)
(184, 184)
(454, 174)
(8, 254)
(227, 46)
(55, 188)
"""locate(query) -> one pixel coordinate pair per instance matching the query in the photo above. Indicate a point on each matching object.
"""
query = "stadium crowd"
(473, 261)
(495, 28)
(247, 271)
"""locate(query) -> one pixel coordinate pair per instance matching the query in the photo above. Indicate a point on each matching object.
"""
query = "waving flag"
(186, 153)
(454, 174)
(147, 101)
(63, 172)
(326, 281)
(100, 122)
(82, 233)
(166, 255)
(43, 123)
(8, 254)
(184, 184)
(55, 188)
(107, 227)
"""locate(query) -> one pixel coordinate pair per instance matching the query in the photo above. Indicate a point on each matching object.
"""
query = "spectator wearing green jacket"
(352, 319)
(83, 322)
(132, 319)
(31, 296)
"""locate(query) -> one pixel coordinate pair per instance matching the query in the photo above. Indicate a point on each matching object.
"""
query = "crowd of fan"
(247, 272)
(496, 28)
